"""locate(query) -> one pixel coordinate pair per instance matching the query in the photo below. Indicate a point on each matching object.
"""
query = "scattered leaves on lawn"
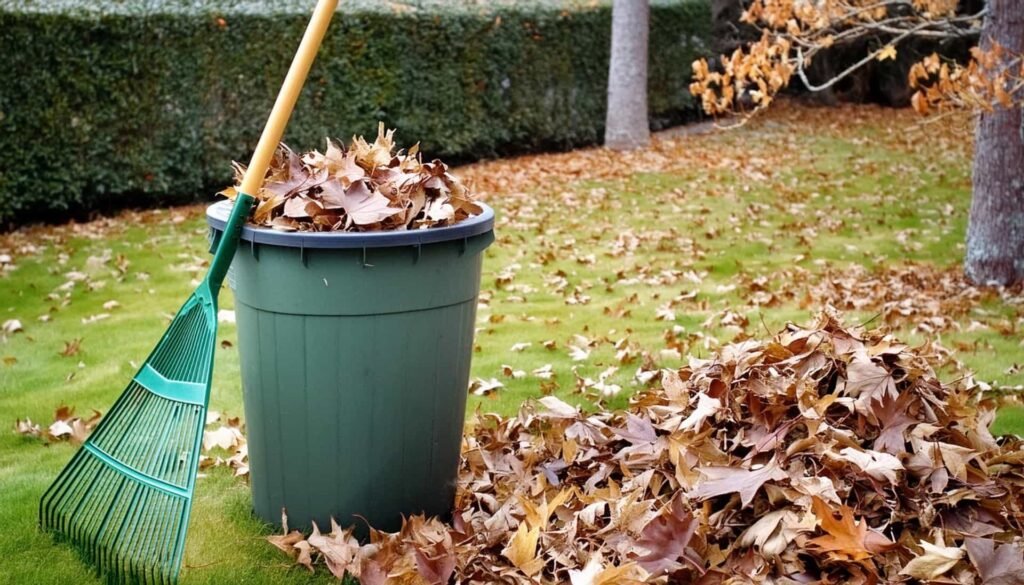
(222, 434)
(225, 434)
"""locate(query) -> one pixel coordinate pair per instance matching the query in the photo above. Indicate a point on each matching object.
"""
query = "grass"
(730, 231)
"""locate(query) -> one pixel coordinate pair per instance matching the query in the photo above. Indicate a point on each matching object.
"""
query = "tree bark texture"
(995, 230)
(626, 125)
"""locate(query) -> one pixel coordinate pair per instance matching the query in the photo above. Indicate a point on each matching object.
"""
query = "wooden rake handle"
(269, 140)
(287, 97)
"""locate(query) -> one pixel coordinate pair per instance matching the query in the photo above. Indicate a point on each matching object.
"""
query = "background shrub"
(107, 103)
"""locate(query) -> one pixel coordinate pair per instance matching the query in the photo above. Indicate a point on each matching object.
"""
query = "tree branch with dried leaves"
(794, 33)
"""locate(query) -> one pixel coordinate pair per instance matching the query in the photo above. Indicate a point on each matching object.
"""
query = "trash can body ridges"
(355, 354)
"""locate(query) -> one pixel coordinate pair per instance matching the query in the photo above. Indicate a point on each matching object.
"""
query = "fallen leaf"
(724, 480)
(846, 539)
(1001, 564)
(12, 326)
(935, 561)
(521, 550)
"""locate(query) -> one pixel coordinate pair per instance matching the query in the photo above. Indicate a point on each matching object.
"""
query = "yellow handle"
(286, 98)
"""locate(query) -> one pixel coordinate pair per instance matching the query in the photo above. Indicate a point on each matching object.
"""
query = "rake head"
(125, 497)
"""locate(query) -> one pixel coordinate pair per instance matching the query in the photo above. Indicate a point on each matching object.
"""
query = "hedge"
(132, 103)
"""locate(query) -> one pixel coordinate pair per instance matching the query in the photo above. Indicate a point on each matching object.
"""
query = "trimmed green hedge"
(109, 104)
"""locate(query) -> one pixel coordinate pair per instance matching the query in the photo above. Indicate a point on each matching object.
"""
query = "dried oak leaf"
(432, 547)
(67, 426)
(846, 539)
(286, 542)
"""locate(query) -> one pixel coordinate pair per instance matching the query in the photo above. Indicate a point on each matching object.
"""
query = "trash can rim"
(217, 215)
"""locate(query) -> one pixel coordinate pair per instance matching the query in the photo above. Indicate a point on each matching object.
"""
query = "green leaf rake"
(124, 499)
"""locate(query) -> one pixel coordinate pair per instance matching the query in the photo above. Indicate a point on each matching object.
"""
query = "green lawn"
(702, 240)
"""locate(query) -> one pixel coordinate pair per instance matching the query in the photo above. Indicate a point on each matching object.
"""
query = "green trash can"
(355, 351)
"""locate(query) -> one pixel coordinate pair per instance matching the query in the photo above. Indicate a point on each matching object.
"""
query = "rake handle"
(286, 98)
(271, 137)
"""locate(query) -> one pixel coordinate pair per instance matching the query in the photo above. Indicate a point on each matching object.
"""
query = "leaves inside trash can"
(367, 186)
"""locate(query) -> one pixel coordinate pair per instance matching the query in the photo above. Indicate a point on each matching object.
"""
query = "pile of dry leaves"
(825, 455)
(365, 187)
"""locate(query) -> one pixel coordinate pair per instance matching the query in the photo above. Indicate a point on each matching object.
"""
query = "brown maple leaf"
(667, 539)
(997, 565)
(892, 413)
(867, 381)
(724, 480)
(847, 539)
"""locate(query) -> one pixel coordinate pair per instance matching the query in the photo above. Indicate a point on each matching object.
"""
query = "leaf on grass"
(27, 427)
(556, 408)
(95, 318)
(482, 387)
(578, 354)
(224, 437)
(287, 542)
(71, 348)
(68, 427)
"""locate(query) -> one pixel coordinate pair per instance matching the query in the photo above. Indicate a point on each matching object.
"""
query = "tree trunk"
(995, 231)
(626, 125)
